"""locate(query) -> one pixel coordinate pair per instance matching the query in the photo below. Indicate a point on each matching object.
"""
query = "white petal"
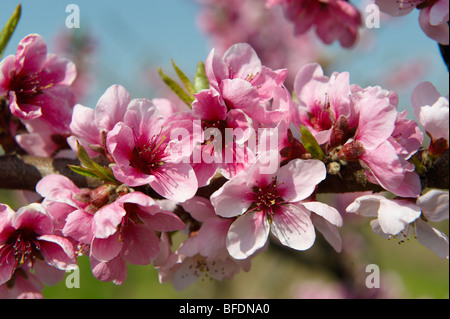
(247, 234)
(331, 214)
(367, 205)
(432, 238)
(434, 205)
(329, 232)
(293, 227)
(395, 215)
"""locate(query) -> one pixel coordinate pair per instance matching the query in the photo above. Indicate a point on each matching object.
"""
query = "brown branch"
(23, 172)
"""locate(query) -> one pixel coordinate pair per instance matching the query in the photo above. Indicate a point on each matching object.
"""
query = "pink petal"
(175, 181)
(394, 8)
(57, 251)
(111, 107)
(298, 179)
(107, 219)
(212, 238)
(439, 32)
(79, 226)
(199, 207)
(22, 110)
(242, 61)
(231, 199)
(439, 12)
(55, 182)
(209, 105)
(114, 270)
(33, 217)
(376, 121)
(7, 71)
(31, 54)
(240, 94)
(83, 126)
(105, 249)
(425, 93)
(6, 228)
(247, 234)
(140, 245)
(164, 221)
(7, 267)
(58, 70)
(293, 227)
(385, 165)
(144, 118)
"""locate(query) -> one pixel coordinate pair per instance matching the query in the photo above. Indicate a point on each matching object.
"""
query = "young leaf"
(200, 80)
(176, 88)
(187, 83)
(9, 28)
(92, 168)
(83, 171)
(310, 143)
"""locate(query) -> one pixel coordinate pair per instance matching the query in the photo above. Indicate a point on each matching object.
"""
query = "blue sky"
(133, 33)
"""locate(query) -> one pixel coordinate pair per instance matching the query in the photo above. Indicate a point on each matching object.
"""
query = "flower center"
(147, 155)
(25, 248)
(28, 86)
(320, 117)
(266, 199)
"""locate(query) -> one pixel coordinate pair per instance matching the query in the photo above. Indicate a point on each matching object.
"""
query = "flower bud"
(351, 151)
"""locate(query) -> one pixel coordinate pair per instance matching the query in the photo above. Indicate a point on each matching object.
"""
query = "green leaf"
(187, 83)
(83, 156)
(93, 169)
(9, 28)
(83, 171)
(310, 143)
(200, 80)
(176, 88)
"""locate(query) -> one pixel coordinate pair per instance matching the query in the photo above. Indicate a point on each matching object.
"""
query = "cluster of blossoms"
(258, 153)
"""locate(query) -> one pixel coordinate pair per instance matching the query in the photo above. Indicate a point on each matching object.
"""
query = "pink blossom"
(384, 141)
(433, 17)
(37, 84)
(124, 231)
(324, 105)
(398, 217)
(26, 239)
(89, 126)
(266, 200)
(204, 253)
(332, 19)
(432, 111)
(71, 208)
(220, 150)
(244, 83)
(145, 151)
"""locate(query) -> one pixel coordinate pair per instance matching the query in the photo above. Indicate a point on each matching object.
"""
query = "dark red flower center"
(148, 154)
(24, 246)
